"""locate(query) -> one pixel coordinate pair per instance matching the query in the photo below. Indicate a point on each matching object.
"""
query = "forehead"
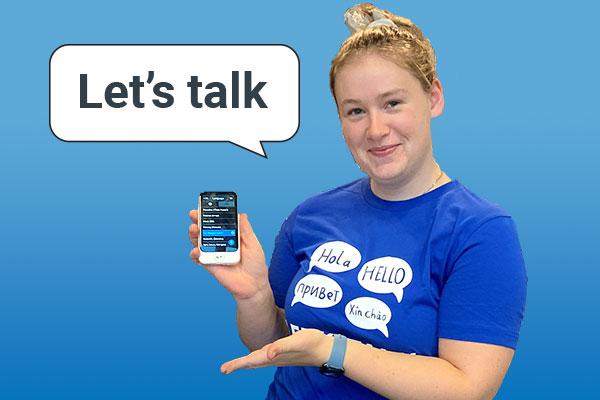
(367, 76)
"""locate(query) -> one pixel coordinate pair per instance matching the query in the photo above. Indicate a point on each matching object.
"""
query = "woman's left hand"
(303, 348)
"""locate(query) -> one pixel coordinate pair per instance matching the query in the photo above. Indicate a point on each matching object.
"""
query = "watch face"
(331, 371)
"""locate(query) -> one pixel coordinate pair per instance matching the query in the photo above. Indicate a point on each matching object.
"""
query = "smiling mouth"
(383, 150)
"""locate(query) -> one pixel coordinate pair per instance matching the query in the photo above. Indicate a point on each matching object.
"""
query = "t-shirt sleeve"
(483, 299)
(284, 265)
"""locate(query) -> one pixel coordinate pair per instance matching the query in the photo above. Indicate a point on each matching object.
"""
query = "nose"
(377, 128)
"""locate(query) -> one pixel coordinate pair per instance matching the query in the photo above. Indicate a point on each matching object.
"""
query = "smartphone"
(219, 239)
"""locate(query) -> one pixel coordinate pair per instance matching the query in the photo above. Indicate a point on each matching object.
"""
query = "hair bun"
(366, 15)
(356, 19)
(402, 41)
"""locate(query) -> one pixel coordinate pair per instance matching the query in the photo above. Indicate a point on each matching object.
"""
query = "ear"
(436, 99)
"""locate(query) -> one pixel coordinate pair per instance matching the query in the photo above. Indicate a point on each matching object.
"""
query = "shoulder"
(479, 233)
(467, 210)
(464, 219)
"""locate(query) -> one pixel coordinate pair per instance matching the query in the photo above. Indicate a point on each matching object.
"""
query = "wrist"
(323, 351)
(262, 296)
(334, 366)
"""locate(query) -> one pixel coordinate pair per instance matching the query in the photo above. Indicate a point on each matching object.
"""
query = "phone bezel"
(224, 258)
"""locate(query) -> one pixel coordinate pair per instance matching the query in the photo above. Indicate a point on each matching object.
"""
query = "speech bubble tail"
(399, 295)
(294, 301)
(254, 146)
(383, 329)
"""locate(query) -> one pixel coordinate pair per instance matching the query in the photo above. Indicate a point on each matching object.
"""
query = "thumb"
(246, 231)
(272, 351)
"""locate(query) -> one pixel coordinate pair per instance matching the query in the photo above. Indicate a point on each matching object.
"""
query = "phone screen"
(219, 222)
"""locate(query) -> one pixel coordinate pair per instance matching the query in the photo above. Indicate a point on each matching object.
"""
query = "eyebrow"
(381, 96)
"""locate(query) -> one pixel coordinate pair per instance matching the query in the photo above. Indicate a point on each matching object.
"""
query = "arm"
(464, 370)
(259, 320)
(482, 301)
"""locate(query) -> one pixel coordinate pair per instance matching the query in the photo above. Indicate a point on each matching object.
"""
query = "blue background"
(98, 298)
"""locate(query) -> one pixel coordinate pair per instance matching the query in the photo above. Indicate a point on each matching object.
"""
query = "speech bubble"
(336, 256)
(243, 94)
(317, 291)
(386, 275)
(369, 313)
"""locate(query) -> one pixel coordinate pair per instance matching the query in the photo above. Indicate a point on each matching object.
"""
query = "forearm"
(404, 376)
(259, 320)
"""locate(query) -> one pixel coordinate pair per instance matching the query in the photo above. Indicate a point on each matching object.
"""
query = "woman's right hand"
(245, 279)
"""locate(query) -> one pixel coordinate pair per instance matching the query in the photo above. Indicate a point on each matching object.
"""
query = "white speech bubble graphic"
(335, 256)
(317, 291)
(244, 94)
(369, 313)
(386, 275)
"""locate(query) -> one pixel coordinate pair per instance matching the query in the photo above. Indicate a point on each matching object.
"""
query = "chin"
(386, 173)
(385, 176)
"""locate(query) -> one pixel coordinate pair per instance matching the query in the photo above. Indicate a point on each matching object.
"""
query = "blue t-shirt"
(396, 275)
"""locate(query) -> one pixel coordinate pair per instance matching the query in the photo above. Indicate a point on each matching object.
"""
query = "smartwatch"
(334, 367)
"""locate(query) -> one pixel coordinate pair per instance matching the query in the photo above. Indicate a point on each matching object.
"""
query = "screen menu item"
(219, 222)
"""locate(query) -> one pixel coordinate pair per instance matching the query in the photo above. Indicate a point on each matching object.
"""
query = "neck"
(428, 178)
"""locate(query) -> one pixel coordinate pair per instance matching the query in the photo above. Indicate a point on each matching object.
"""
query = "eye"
(393, 103)
(354, 111)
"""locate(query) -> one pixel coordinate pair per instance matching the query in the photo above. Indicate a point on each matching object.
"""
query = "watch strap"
(338, 352)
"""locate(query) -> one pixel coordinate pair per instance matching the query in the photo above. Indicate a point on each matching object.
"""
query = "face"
(385, 116)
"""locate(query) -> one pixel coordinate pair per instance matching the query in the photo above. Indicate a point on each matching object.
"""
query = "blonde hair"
(390, 36)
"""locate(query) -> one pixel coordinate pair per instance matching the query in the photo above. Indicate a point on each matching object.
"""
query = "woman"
(402, 285)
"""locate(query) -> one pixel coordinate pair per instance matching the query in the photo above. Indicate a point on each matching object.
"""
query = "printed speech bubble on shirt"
(336, 256)
(243, 94)
(317, 291)
(386, 275)
(369, 313)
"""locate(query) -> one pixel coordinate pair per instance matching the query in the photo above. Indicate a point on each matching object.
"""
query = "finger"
(256, 359)
(195, 255)
(194, 232)
(194, 216)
